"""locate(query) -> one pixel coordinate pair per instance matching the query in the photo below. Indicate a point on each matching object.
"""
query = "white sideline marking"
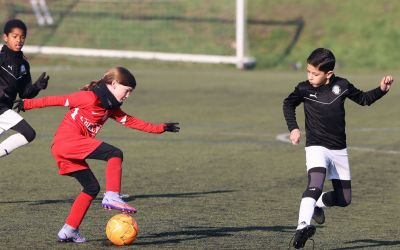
(284, 137)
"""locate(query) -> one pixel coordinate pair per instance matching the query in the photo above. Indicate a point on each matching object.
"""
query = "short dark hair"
(323, 59)
(14, 23)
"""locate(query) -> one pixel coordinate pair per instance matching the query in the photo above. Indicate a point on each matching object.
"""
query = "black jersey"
(15, 78)
(324, 110)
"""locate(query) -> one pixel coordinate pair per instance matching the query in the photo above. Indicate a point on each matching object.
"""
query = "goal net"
(204, 31)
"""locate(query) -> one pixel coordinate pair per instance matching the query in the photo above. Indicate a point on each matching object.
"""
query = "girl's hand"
(386, 83)
(295, 136)
(172, 127)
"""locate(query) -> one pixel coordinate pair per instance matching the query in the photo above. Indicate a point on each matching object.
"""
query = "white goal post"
(241, 60)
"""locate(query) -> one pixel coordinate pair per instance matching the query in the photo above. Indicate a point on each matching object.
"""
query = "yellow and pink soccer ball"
(122, 229)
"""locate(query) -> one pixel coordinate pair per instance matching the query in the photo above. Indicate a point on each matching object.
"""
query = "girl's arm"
(135, 123)
(76, 99)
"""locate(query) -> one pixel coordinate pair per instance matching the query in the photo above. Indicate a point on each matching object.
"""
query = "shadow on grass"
(366, 243)
(196, 233)
(130, 198)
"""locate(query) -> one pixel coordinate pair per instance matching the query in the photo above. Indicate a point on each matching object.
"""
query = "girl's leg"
(91, 187)
(114, 156)
(25, 134)
(82, 203)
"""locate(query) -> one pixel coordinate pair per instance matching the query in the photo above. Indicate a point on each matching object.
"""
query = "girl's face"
(317, 77)
(120, 92)
(15, 39)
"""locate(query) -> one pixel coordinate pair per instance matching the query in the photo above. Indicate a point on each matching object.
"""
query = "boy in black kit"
(323, 95)
(15, 79)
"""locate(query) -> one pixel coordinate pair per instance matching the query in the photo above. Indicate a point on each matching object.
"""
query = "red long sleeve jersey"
(86, 116)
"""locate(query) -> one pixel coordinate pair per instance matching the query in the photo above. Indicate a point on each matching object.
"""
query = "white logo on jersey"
(10, 67)
(336, 90)
(314, 95)
(23, 70)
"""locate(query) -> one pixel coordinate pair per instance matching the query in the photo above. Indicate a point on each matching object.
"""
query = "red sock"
(78, 210)
(113, 174)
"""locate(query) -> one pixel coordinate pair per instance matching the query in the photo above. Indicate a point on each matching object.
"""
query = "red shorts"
(70, 153)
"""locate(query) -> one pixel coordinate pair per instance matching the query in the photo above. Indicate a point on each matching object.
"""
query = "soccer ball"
(122, 229)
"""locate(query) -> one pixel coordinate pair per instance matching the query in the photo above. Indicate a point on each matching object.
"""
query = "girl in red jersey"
(74, 141)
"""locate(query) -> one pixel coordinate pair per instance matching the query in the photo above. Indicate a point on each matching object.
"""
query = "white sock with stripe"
(11, 143)
(306, 212)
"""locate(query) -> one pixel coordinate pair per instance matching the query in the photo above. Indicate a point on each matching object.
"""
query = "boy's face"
(317, 77)
(15, 39)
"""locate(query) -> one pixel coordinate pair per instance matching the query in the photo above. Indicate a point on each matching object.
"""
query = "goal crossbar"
(146, 55)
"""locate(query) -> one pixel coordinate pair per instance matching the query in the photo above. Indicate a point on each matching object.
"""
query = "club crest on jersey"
(23, 70)
(336, 90)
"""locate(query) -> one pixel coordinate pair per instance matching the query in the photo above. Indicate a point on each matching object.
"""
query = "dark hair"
(14, 23)
(323, 59)
(120, 74)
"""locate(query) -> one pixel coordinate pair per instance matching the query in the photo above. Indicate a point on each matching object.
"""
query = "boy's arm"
(289, 108)
(31, 90)
(25, 87)
(369, 97)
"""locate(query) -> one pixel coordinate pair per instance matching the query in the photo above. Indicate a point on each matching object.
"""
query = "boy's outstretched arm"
(386, 83)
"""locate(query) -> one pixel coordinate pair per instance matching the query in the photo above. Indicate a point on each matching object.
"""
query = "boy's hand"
(386, 83)
(19, 105)
(295, 136)
(42, 81)
(172, 127)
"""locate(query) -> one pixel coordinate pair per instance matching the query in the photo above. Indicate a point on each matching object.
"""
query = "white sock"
(12, 142)
(68, 228)
(306, 212)
(320, 203)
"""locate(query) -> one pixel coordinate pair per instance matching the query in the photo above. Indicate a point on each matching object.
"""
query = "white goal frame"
(240, 59)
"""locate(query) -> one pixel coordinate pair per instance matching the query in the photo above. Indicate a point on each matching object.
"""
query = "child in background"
(15, 79)
(323, 96)
(74, 141)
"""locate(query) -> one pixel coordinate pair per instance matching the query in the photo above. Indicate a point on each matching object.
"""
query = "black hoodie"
(15, 78)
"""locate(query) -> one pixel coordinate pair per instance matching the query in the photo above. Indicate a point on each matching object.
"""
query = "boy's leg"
(339, 174)
(305, 230)
(317, 163)
(25, 133)
(340, 196)
(316, 178)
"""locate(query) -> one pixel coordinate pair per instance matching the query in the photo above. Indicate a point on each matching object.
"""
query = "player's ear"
(329, 74)
(5, 38)
(114, 83)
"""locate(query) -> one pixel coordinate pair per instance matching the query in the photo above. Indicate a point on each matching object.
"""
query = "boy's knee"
(29, 135)
(312, 192)
(344, 202)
